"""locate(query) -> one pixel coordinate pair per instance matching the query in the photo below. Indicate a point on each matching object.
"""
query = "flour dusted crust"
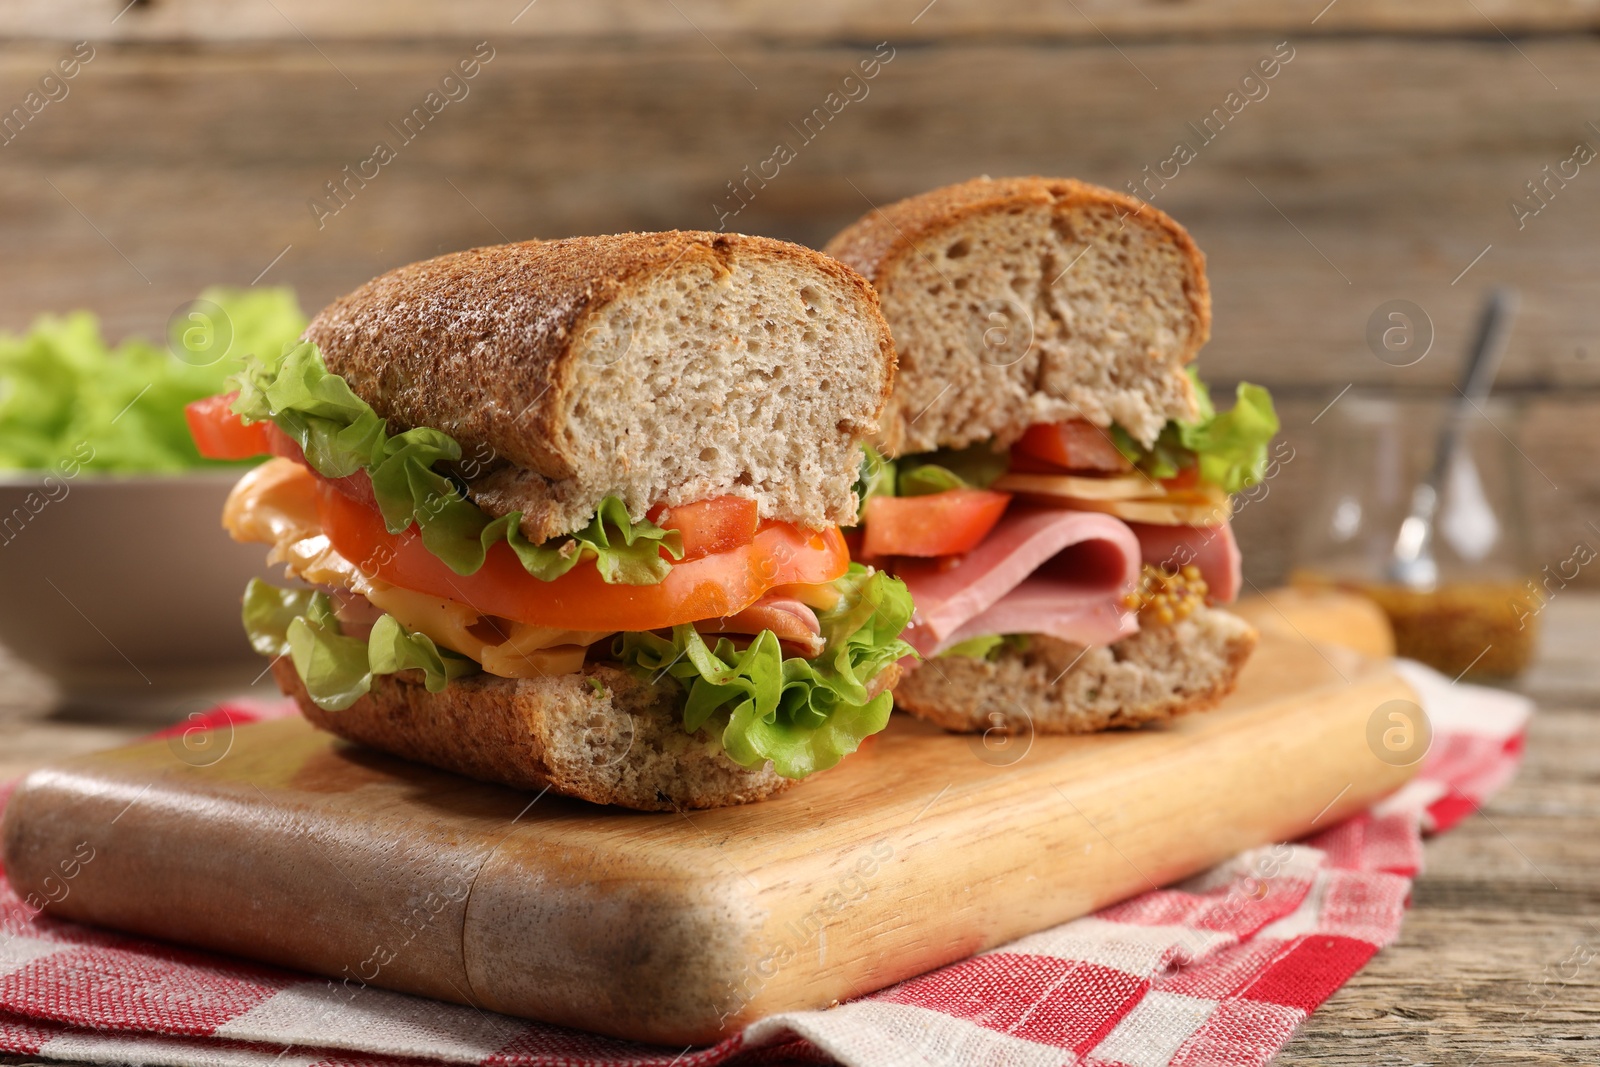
(1055, 687)
(656, 367)
(600, 735)
(1021, 300)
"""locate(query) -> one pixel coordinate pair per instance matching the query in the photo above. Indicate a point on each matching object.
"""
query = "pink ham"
(792, 622)
(1211, 548)
(1040, 571)
(356, 614)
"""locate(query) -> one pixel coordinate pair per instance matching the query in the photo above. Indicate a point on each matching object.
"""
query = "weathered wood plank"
(1484, 970)
(1001, 857)
(1499, 958)
(1395, 161)
(824, 20)
(1391, 161)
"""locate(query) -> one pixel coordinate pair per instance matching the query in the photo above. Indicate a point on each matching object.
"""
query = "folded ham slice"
(1040, 571)
(1211, 548)
(792, 622)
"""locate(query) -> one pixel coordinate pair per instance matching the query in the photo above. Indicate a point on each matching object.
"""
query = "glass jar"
(1479, 618)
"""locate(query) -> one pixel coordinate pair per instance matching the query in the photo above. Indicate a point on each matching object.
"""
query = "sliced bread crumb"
(600, 735)
(1056, 687)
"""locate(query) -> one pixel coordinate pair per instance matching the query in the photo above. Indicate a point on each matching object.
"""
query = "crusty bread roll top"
(655, 367)
(1022, 300)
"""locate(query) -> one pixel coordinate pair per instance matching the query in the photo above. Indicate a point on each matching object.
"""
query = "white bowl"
(125, 591)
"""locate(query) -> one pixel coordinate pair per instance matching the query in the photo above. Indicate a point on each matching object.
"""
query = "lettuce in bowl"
(65, 392)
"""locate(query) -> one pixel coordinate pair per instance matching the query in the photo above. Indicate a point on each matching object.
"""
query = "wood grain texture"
(920, 850)
(1490, 964)
(1395, 159)
(1479, 910)
(1392, 162)
(829, 19)
(197, 162)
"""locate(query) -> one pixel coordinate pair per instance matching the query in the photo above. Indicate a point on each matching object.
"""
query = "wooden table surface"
(1498, 962)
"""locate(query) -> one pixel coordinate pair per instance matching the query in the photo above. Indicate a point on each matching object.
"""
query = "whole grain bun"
(1055, 687)
(1021, 300)
(656, 367)
(600, 735)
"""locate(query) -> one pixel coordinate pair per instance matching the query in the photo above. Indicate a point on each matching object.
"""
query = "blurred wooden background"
(1380, 165)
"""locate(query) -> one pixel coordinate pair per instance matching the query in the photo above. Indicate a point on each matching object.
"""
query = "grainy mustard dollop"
(1163, 597)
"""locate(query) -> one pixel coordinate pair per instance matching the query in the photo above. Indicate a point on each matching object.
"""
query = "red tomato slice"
(710, 526)
(1186, 479)
(939, 524)
(220, 434)
(706, 588)
(357, 486)
(1074, 445)
(1022, 463)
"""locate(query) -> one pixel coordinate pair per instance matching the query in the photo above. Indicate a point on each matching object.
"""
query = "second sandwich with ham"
(1058, 496)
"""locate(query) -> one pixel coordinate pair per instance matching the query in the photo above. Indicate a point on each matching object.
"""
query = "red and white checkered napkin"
(1217, 970)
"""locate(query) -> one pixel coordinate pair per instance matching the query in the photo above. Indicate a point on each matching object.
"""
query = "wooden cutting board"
(286, 845)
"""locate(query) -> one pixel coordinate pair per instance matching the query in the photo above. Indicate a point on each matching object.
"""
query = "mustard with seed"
(1163, 597)
(1475, 630)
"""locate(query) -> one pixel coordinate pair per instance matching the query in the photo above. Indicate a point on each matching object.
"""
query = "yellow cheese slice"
(1131, 486)
(1177, 509)
(276, 504)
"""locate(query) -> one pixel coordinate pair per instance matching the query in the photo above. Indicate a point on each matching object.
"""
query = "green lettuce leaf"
(1230, 447)
(341, 434)
(975, 647)
(68, 398)
(976, 466)
(268, 611)
(876, 478)
(987, 646)
(803, 715)
(925, 479)
(337, 669)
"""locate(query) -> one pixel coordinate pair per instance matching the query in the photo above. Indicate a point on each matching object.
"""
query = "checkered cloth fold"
(1219, 969)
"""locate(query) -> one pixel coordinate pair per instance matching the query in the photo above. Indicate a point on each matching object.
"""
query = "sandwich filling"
(1077, 532)
(783, 647)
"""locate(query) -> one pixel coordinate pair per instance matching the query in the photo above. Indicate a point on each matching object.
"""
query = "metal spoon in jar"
(1412, 563)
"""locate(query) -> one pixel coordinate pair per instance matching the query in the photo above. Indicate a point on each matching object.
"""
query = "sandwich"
(565, 515)
(1051, 479)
